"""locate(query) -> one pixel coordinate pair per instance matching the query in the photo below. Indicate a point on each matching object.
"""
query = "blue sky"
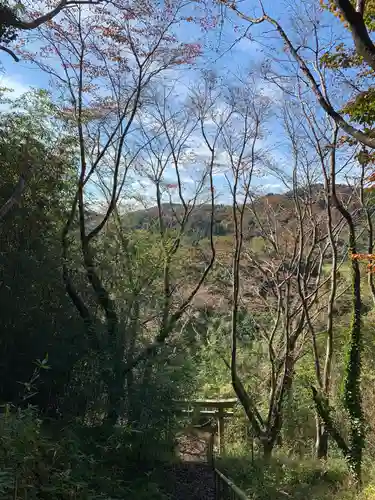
(221, 54)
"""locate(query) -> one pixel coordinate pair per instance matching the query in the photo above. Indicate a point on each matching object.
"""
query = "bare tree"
(312, 137)
(352, 450)
(310, 70)
(168, 133)
(291, 291)
(285, 283)
(13, 18)
(108, 62)
(324, 138)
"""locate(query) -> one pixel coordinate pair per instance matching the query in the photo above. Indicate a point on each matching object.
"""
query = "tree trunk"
(115, 395)
(131, 410)
(268, 445)
(115, 381)
(321, 443)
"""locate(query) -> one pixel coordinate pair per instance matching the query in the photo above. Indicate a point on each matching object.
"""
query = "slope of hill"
(281, 205)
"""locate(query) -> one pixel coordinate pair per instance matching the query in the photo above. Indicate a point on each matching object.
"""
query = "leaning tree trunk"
(321, 443)
(353, 449)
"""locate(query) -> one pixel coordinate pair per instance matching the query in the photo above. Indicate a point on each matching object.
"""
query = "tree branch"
(10, 52)
(360, 35)
(9, 18)
(323, 101)
(14, 198)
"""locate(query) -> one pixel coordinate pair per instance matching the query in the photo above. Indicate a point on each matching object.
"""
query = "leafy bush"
(82, 463)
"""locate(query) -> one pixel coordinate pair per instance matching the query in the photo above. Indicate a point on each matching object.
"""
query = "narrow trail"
(192, 478)
(190, 481)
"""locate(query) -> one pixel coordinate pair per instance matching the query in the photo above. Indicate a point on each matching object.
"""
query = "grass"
(345, 280)
(284, 478)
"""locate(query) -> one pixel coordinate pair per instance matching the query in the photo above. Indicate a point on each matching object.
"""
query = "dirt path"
(190, 481)
(192, 478)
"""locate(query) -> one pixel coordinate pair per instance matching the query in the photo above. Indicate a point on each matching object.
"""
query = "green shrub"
(73, 463)
(288, 478)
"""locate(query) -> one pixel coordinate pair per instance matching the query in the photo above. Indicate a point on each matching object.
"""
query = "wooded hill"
(198, 225)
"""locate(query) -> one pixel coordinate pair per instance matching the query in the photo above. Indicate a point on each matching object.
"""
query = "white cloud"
(272, 91)
(15, 84)
(271, 188)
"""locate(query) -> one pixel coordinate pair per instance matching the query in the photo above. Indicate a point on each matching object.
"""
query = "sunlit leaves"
(344, 57)
(341, 57)
(368, 258)
(362, 108)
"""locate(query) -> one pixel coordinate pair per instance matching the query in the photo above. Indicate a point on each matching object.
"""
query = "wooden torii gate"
(217, 408)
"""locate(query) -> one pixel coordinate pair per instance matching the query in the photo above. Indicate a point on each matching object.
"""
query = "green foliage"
(198, 226)
(69, 464)
(298, 433)
(341, 57)
(353, 396)
(54, 449)
(213, 376)
(282, 478)
(257, 245)
(362, 108)
(37, 316)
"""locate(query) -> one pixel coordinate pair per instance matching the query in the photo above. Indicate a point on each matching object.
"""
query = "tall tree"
(108, 61)
(37, 317)
(353, 449)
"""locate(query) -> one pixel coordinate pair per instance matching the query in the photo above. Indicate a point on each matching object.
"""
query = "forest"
(187, 213)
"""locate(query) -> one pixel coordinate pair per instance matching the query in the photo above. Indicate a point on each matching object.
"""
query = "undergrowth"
(296, 479)
(283, 478)
(73, 463)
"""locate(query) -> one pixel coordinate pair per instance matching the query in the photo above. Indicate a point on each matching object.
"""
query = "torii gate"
(218, 408)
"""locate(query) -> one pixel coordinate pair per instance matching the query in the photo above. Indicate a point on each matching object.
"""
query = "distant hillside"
(198, 225)
(216, 293)
(199, 220)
